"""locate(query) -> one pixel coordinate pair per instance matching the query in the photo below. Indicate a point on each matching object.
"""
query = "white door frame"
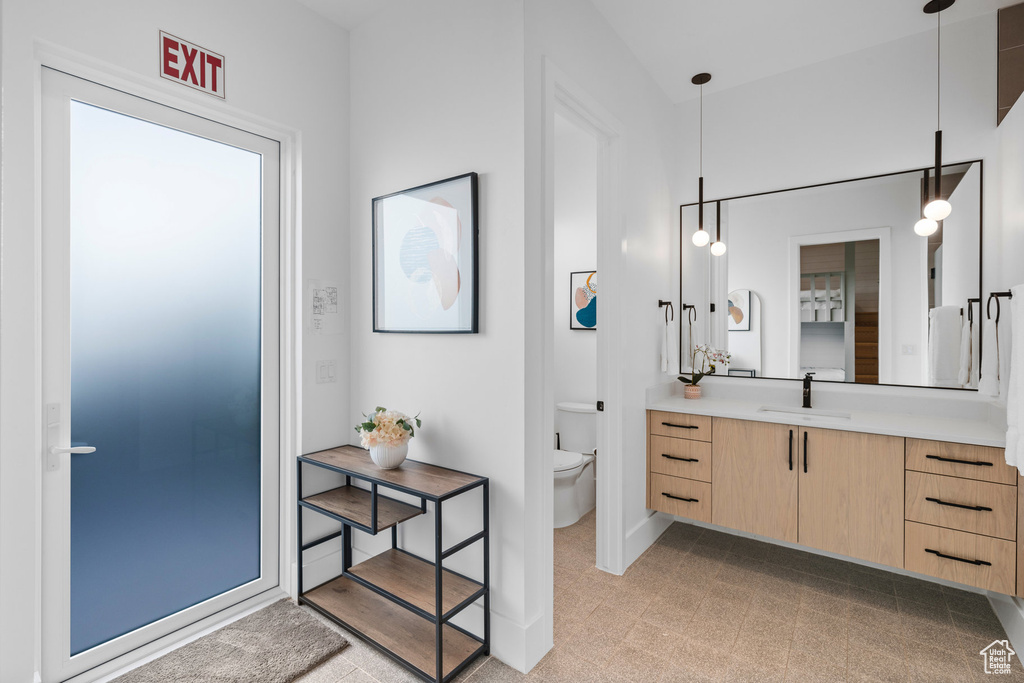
(289, 343)
(565, 97)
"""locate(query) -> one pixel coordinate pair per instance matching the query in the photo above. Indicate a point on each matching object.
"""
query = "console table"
(399, 602)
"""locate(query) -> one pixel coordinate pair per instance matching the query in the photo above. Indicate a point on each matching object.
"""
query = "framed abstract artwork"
(583, 300)
(425, 272)
(739, 310)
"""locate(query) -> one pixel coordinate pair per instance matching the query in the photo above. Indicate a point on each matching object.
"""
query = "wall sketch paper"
(322, 307)
(425, 258)
(583, 300)
(739, 310)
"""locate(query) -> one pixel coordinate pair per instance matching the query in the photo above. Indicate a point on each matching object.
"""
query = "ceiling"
(350, 13)
(739, 41)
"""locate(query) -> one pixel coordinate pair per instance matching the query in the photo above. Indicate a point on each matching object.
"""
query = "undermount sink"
(806, 413)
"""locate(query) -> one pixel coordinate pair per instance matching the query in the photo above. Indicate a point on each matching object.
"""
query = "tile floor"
(701, 605)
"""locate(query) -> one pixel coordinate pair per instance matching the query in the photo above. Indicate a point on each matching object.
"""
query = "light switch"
(325, 371)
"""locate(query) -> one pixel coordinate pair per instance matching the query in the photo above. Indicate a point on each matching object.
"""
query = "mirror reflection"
(833, 280)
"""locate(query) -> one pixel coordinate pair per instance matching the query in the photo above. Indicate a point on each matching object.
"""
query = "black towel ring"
(667, 305)
(691, 313)
(996, 296)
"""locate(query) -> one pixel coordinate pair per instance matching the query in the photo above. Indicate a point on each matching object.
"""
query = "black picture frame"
(463, 191)
(574, 324)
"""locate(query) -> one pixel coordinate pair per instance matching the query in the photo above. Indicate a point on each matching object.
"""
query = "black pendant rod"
(938, 105)
(718, 221)
(926, 192)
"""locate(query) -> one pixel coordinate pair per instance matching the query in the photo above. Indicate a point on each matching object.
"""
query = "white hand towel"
(964, 377)
(975, 354)
(672, 342)
(1004, 336)
(664, 347)
(988, 385)
(944, 346)
(1015, 390)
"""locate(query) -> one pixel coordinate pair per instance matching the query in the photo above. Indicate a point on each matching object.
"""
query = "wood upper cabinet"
(851, 494)
(754, 478)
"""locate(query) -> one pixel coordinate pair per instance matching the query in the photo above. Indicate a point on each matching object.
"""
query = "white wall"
(437, 91)
(864, 113)
(1008, 240)
(285, 67)
(960, 243)
(575, 250)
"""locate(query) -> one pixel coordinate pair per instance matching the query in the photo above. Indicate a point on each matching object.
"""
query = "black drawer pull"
(958, 559)
(685, 500)
(672, 457)
(805, 452)
(976, 508)
(669, 424)
(790, 450)
(976, 463)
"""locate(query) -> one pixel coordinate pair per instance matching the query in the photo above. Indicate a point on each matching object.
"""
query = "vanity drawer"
(695, 427)
(682, 497)
(980, 561)
(960, 460)
(681, 458)
(979, 507)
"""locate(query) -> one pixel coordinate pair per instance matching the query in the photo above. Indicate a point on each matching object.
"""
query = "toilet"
(574, 462)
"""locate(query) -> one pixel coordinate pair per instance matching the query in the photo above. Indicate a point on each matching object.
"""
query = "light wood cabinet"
(851, 494)
(948, 510)
(754, 478)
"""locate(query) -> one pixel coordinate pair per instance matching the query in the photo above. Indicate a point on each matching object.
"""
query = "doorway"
(160, 370)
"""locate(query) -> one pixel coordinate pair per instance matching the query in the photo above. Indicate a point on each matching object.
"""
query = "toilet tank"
(576, 424)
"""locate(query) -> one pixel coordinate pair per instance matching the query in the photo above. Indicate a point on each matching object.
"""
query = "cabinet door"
(754, 478)
(851, 494)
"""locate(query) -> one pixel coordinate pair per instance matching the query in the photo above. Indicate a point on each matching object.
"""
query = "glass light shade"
(937, 209)
(701, 238)
(718, 248)
(925, 227)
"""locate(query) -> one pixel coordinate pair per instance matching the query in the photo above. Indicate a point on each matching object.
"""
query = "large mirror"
(832, 279)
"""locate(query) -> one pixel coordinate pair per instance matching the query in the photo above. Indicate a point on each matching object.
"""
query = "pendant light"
(701, 237)
(926, 226)
(938, 208)
(718, 248)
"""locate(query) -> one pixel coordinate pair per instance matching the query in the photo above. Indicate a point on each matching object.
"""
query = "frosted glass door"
(164, 367)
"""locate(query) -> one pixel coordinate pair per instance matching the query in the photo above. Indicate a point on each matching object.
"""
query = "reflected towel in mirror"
(944, 346)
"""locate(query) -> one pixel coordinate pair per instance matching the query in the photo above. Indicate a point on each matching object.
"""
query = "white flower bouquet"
(387, 428)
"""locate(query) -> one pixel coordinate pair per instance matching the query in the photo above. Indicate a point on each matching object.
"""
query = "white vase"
(389, 457)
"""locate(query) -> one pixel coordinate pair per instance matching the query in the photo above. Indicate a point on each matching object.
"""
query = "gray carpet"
(274, 645)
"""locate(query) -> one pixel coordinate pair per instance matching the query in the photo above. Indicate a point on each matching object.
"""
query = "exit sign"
(191, 65)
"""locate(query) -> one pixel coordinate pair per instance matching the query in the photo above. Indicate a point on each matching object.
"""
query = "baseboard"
(521, 647)
(642, 536)
(1010, 611)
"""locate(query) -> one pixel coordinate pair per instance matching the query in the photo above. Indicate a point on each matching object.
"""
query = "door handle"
(790, 450)
(805, 452)
(74, 450)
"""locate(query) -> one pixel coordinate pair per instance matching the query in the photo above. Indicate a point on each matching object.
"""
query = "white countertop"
(962, 419)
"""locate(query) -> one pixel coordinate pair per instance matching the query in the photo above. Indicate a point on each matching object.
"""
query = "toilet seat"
(567, 460)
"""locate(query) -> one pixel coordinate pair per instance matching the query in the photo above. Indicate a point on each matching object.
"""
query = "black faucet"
(807, 389)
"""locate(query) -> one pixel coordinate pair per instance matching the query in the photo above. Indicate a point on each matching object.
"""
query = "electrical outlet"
(325, 372)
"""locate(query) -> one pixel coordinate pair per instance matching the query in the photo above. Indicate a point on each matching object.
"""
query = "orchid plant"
(387, 428)
(709, 358)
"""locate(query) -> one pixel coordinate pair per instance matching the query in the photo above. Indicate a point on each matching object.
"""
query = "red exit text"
(194, 66)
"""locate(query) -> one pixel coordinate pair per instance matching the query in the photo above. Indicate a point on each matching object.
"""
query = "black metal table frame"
(439, 618)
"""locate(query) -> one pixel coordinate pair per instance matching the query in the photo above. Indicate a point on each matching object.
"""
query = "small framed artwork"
(425, 272)
(739, 310)
(583, 300)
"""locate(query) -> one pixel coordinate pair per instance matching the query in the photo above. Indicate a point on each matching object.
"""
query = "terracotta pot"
(389, 457)
(691, 391)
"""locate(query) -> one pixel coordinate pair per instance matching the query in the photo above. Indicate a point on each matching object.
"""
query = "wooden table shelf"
(412, 579)
(355, 504)
(390, 600)
(391, 627)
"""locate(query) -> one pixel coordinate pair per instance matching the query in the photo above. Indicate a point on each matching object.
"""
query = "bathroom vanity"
(927, 493)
